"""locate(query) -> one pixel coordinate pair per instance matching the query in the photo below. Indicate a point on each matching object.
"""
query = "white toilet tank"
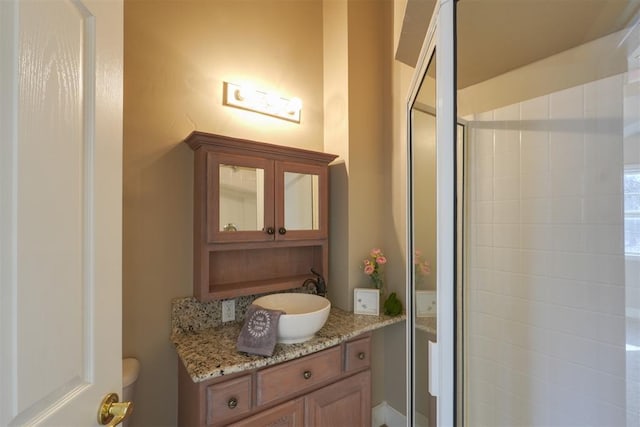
(130, 371)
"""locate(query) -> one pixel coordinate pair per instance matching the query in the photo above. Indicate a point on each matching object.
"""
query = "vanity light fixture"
(262, 102)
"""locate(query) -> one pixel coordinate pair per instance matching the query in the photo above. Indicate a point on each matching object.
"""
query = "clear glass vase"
(378, 283)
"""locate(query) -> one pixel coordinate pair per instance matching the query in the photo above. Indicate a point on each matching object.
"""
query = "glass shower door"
(424, 264)
(431, 221)
(550, 326)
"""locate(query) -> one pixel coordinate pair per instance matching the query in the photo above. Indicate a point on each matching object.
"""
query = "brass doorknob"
(112, 412)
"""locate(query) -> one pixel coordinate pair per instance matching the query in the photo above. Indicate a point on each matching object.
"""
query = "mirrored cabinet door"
(301, 201)
(301, 193)
(260, 216)
(240, 207)
(241, 201)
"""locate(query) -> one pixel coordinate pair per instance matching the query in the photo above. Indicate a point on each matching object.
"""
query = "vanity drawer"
(357, 354)
(290, 378)
(228, 399)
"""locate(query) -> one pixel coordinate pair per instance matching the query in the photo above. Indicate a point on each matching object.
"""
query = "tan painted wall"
(358, 110)
(370, 148)
(369, 134)
(336, 140)
(395, 383)
(177, 54)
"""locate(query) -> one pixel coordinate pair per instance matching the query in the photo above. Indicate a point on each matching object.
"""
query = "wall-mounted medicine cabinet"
(260, 216)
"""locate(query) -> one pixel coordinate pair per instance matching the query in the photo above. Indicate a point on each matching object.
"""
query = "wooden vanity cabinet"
(288, 414)
(320, 389)
(345, 403)
(260, 216)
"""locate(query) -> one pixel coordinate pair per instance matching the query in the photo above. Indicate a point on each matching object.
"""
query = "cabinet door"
(239, 198)
(345, 403)
(301, 201)
(289, 414)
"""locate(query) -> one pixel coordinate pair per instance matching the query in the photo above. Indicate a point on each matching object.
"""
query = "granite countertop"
(211, 352)
(427, 324)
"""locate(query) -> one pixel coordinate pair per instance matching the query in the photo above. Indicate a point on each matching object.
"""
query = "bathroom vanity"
(260, 216)
(261, 226)
(323, 381)
(330, 387)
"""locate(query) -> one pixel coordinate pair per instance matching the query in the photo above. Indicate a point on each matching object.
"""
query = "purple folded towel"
(259, 332)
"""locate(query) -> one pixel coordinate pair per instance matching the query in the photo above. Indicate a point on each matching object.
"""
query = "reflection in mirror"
(301, 199)
(241, 198)
(423, 184)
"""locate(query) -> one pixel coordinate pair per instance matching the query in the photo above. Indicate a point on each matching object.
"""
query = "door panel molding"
(60, 222)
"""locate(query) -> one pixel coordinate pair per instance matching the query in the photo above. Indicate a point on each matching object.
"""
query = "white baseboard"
(386, 414)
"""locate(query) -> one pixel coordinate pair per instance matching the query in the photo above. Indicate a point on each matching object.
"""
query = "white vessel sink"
(304, 314)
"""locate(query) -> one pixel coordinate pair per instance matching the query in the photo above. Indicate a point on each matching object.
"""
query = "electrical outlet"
(228, 310)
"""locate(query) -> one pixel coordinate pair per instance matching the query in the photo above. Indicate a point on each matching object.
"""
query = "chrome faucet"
(319, 285)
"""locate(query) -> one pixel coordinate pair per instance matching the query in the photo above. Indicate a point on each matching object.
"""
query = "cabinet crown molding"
(198, 139)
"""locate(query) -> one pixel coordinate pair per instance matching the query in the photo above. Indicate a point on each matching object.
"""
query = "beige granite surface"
(426, 324)
(211, 352)
(190, 315)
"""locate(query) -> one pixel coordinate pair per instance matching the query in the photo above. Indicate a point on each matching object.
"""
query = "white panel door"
(60, 209)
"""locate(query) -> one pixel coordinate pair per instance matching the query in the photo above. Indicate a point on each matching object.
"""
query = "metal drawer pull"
(361, 355)
(232, 403)
(307, 375)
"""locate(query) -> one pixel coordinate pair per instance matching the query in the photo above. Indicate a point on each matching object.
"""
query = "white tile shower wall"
(546, 329)
(632, 263)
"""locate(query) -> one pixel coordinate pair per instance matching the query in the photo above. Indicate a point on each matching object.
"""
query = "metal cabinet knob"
(232, 403)
(270, 230)
(361, 355)
(306, 375)
(282, 230)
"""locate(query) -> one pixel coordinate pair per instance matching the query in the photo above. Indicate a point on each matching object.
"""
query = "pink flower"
(372, 266)
(423, 268)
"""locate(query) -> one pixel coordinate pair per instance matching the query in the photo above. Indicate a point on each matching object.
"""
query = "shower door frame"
(440, 34)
